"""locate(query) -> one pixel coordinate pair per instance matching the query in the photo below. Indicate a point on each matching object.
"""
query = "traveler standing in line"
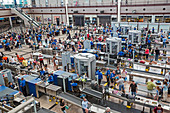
(164, 42)
(133, 88)
(100, 77)
(107, 75)
(157, 53)
(147, 53)
(121, 84)
(165, 91)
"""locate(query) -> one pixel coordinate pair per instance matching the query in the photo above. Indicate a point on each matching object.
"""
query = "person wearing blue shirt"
(164, 42)
(130, 53)
(107, 75)
(91, 43)
(123, 39)
(39, 39)
(11, 85)
(97, 71)
(149, 43)
(50, 32)
(103, 31)
(23, 87)
(50, 79)
(42, 72)
(153, 29)
(112, 77)
(53, 43)
(100, 77)
(7, 44)
(165, 91)
(107, 30)
(55, 40)
(40, 35)
(130, 45)
(96, 55)
(121, 53)
(68, 31)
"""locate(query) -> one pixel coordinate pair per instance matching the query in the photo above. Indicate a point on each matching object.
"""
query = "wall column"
(153, 18)
(118, 15)
(10, 21)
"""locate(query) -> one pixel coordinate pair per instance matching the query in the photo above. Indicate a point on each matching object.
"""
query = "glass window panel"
(155, 27)
(140, 26)
(164, 27)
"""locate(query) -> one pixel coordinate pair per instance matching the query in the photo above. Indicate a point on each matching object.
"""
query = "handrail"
(26, 16)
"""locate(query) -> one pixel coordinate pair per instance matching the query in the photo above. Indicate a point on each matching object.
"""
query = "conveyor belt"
(7, 91)
(43, 110)
(93, 93)
(121, 108)
(70, 98)
(144, 89)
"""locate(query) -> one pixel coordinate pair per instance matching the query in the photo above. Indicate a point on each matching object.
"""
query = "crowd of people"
(45, 36)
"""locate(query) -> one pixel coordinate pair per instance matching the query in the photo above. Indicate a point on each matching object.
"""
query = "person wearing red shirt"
(21, 59)
(147, 53)
(41, 60)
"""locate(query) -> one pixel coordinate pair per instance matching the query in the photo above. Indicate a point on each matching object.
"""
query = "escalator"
(24, 16)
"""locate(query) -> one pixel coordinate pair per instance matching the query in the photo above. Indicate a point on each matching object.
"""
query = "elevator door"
(79, 20)
(104, 19)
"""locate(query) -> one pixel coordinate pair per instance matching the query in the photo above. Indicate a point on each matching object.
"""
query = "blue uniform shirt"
(53, 43)
(112, 75)
(108, 72)
(7, 44)
(74, 84)
(97, 72)
(149, 41)
(91, 42)
(42, 72)
(1, 64)
(121, 53)
(22, 83)
(130, 45)
(50, 78)
(100, 75)
(67, 31)
(130, 50)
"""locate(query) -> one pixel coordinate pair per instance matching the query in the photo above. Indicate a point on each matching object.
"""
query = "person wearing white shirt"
(12, 60)
(167, 75)
(85, 105)
(72, 43)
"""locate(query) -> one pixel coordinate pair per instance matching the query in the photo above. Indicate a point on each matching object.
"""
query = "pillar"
(10, 21)
(67, 18)
(118, 15)
(153, 18)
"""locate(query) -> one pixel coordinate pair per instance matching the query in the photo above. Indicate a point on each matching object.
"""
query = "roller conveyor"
(144, 89)
(70, 98)
(94, 93)
(77, 101)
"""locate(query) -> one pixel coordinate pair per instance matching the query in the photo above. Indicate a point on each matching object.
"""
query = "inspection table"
(53, 90)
